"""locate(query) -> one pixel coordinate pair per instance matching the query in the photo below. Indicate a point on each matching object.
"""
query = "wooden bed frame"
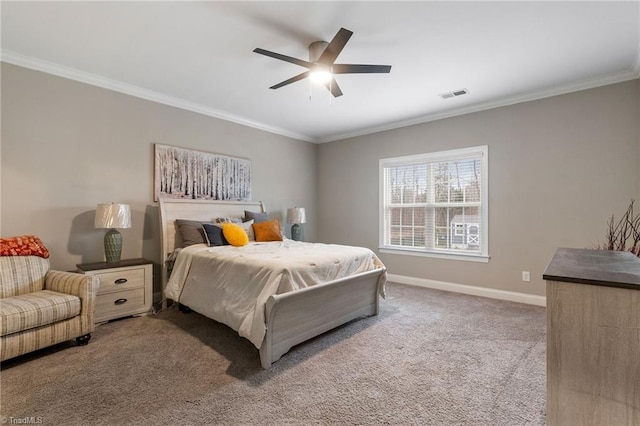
(290, 318)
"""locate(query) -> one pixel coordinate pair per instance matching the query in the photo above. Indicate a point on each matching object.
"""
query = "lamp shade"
(113, 216)
(296, 215)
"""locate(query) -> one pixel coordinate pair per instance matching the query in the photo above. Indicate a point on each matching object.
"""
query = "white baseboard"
(511, 296)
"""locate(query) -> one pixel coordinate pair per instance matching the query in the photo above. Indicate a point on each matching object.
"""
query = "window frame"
(481, 152)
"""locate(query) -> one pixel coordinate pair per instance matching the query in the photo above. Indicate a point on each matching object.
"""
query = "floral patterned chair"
(40, 307)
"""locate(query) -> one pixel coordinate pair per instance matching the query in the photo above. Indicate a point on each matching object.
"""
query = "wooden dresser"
(593, 338)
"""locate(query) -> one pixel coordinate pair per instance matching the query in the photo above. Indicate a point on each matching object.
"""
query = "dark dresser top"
(104, 265)
(596, 267)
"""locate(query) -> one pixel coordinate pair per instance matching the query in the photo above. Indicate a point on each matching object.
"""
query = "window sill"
(437, 255)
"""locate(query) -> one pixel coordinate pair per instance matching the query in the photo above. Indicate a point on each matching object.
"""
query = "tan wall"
(558, 168)
(68, 146)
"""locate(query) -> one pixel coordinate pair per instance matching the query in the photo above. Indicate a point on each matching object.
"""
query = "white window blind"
(435, 203)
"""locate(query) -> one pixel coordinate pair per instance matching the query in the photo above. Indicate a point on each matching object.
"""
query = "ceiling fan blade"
(334, 47)
(283, 57)
(333, 87)
(360, 69)
(291, 80)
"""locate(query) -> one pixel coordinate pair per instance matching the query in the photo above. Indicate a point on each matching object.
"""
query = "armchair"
(40, 307)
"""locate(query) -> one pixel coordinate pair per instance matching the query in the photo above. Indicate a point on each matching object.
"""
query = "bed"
(284, 315)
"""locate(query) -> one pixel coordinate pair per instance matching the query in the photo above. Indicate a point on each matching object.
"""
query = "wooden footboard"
(295, 317)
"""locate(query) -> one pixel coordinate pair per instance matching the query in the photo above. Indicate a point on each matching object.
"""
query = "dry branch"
(624, 233)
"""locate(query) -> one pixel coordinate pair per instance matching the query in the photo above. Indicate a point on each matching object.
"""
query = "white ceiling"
(198, 55)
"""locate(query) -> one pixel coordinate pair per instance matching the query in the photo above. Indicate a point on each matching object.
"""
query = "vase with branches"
(623, 234)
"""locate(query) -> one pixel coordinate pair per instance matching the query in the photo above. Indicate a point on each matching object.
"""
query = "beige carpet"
(430, 357)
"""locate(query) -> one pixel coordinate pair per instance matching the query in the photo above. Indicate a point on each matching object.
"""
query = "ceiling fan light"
(320, 76)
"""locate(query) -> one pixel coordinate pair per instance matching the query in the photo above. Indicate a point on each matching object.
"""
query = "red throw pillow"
(24, 245)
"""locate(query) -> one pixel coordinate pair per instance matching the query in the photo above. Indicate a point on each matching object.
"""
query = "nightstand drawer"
(119, 304)
(120, 280)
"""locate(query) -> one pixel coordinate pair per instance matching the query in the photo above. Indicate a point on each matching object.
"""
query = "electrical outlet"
(526, 276)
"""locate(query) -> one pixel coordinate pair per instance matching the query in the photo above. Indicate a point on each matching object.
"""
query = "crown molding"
(128, 89)
(526, 97)
(138, 92)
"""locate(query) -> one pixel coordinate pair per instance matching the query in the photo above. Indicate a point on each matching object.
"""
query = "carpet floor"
(429, 357)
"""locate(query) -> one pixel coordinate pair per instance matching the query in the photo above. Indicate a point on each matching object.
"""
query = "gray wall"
(67, 146)
(558, 168)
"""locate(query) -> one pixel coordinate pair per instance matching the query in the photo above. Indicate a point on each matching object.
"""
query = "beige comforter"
(232, 284)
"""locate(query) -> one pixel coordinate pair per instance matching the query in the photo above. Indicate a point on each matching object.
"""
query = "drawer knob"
(120, 302)
(120, 281)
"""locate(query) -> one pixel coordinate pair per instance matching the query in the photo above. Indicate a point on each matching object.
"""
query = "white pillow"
(248, 227)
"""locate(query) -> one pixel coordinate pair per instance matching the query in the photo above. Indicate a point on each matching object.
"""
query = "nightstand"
(126, 287)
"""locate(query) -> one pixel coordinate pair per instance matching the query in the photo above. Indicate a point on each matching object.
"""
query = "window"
(435, 204)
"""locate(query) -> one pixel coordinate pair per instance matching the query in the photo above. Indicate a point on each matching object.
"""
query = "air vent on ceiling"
(454, 93)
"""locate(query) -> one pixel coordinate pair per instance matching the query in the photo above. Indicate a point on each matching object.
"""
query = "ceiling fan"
(321, 65)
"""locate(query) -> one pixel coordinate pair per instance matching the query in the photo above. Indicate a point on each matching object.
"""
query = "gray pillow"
(257, 217)
(190, 232)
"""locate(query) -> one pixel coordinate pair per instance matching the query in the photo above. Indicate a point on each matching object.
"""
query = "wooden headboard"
(202, 210)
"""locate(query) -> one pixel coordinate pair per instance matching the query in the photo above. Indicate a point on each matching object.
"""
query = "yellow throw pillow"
(235, 234)
(267, 231)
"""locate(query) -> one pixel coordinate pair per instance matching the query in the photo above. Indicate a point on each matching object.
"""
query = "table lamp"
(296, 216)
(111, 216)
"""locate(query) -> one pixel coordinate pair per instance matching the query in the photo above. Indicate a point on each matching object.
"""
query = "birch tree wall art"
(186, 173)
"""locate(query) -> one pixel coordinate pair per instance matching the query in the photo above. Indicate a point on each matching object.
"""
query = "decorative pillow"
(248, 228)
(24, 245)
(214, 235)
(255, 216)
(227, 220)
(268, 231)
(235, 234)
(190, 232)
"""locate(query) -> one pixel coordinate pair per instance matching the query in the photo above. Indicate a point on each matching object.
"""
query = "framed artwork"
(187, 173)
